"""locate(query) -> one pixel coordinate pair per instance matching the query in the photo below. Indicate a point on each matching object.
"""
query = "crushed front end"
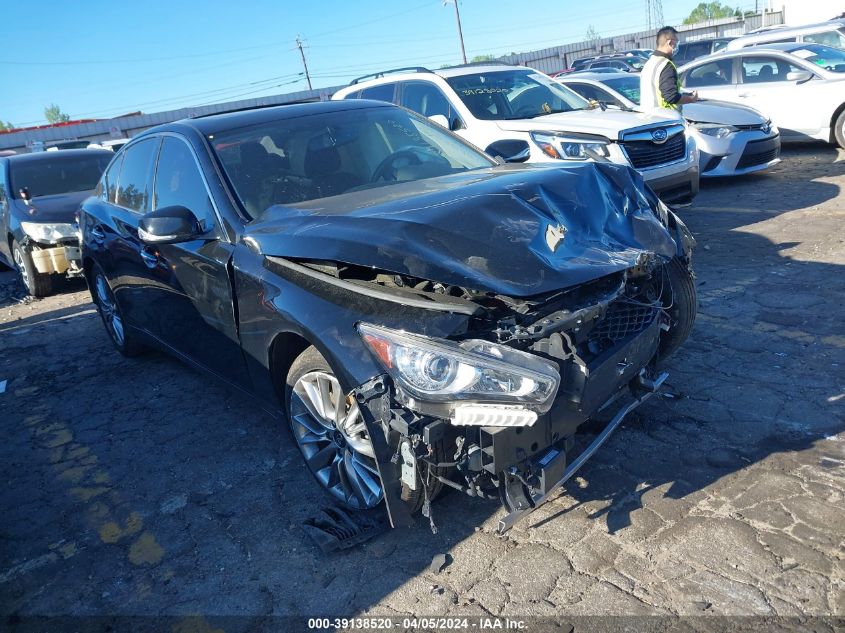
(557, 361)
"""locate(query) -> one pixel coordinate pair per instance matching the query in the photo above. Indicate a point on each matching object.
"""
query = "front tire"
(37, 284)
(124, 340)
(681, 305)
(329, 430)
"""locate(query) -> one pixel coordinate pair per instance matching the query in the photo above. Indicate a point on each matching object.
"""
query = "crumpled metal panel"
(494, 230)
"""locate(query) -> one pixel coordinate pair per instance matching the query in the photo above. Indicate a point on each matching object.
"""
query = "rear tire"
(121, 336)
(682, 306)
(839, 130)
(37, 284)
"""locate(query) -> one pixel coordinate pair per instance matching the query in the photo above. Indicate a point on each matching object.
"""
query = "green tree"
(709, 11)
(591, 35)
(482, 58)
(54, 114)
(6, 125)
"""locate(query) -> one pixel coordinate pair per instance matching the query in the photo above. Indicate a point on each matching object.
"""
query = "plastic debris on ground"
(335, 528)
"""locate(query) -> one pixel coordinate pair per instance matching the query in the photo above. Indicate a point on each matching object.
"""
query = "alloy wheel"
(330, 432)
(109, 309)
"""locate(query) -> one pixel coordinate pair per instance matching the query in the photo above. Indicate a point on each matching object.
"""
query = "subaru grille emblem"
(554, 236)
(659, 135)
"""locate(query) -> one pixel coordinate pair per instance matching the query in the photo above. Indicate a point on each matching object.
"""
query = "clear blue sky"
(102, 58)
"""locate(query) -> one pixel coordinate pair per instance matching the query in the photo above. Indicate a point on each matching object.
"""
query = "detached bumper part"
(520, 502)
(59, 259)
(50, 260)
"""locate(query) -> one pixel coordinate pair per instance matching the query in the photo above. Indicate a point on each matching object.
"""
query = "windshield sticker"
(803, 53)
(483, 91)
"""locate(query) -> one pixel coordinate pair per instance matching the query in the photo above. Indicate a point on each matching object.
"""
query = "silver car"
(732, 139)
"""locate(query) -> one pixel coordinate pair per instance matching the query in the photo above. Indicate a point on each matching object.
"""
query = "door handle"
(150, 260)
(746, 94)
(98, 234)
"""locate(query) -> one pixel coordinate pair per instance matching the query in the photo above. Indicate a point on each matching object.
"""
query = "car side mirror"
(510, 150)
(169, 225)
(799, 76)
(440, 119)
(455, 125)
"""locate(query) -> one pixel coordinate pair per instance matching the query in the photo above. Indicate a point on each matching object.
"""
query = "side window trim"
(217, 216)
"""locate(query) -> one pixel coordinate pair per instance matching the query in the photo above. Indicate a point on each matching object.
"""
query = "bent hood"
(59, 208)
(608, 123)
(514, 230)
(722, 112)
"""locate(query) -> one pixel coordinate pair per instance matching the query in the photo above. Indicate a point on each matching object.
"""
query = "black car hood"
(484, 229)
(51, 209)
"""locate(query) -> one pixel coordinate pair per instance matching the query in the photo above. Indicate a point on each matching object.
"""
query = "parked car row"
(519, 114)
(800, 86)
(731, 139)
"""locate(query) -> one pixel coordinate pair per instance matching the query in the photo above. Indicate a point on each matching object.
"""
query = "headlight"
(442, 371)
(719, 131)
(568, 148)
(48, 233)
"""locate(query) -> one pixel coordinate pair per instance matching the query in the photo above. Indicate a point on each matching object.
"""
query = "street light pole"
(307, 76)
(460, 32)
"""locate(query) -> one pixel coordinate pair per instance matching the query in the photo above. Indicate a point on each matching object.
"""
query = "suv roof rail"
(382, 73)
(492, 62)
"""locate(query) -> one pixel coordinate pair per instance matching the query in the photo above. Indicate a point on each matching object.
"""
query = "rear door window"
(135, 182)
(107, 188)
(383, 92)
(764, 69)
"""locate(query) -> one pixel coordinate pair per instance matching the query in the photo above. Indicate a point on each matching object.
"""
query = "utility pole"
(460, 32)
(302, 54)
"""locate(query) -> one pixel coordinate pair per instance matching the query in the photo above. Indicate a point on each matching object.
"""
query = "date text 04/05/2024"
(413, 623)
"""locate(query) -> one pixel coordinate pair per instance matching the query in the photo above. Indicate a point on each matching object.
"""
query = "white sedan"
(732, 139)
(800, 86)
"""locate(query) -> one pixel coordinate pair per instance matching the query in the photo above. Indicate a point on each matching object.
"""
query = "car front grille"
(647, 154)
(621, 320)
(758, 153)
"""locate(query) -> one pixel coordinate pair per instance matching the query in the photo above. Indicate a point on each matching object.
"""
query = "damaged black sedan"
(423, 316)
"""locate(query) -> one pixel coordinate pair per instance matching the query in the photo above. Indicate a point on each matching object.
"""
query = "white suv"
(519, 114)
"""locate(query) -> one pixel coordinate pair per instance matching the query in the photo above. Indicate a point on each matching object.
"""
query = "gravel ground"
(139, 487)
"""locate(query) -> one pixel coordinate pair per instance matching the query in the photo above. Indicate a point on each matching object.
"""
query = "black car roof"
(62, 154)
(215, 123)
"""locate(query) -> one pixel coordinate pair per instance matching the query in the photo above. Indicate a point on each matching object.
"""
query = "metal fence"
(550, 60)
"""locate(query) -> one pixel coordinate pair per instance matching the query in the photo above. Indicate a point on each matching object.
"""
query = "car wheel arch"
(833, 121)
(284, 349)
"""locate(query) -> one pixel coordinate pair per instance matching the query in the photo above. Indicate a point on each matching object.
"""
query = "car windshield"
(629, 87)
(514, 94)
(832, 59)
(294, 160)
(636, 63)
(59, 173)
